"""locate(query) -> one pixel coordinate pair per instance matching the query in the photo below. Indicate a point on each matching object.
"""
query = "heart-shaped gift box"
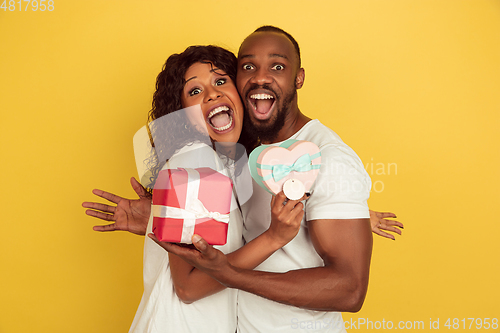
(271, 166)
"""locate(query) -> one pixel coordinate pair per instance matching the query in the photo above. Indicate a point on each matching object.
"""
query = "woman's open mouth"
(220, 118)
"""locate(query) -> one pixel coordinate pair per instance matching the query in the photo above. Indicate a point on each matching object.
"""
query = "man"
(325, 268)
(322, 271)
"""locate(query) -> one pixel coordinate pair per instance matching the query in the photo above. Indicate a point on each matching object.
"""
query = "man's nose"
(261, 77)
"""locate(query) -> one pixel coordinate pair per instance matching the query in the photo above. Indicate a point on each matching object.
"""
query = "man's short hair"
(281, 31)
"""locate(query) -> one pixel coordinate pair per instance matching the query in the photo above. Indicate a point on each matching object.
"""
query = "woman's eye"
(247, 67)
(278, 67)
(220, 82)
(194, 91)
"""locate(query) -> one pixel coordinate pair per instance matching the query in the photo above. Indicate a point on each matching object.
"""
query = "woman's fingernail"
(196, 238)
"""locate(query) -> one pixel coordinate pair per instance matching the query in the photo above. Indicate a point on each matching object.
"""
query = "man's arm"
(191, 284)
(341, 285)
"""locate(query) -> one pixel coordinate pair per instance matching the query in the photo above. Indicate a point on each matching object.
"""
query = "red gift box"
(191, 201)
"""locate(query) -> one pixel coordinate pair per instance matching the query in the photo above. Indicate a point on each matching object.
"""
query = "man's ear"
(299, 79)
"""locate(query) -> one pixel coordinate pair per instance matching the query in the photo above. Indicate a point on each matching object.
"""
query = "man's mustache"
(255, 86)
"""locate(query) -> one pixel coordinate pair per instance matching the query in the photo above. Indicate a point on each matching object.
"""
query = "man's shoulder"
(318, 133)
(329, 143)
(342, 187)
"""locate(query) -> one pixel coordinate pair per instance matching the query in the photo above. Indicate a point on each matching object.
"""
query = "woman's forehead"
(202, 69)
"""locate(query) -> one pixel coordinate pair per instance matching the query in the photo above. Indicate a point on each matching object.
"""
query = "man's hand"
(128, 215)
(379, 222)
(202, 256)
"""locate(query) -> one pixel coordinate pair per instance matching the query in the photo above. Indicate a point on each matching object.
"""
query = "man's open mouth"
(262, 104)
(220, 118)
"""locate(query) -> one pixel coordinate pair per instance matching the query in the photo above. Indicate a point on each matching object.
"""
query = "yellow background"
(414, 83)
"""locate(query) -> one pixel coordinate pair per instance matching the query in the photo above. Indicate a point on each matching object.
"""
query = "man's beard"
(267, 130)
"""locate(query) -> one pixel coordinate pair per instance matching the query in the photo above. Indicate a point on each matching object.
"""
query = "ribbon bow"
(196, 211)
(202, 212)
(302, 164)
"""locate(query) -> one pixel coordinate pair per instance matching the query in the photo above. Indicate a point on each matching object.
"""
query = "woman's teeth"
(217, 110)
(220, 118)
(223, 128)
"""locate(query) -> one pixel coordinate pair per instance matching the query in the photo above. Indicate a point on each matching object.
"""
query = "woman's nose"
(212, 94)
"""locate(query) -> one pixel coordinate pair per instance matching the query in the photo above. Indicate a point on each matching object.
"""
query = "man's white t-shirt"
(341, 191)
(160, 309)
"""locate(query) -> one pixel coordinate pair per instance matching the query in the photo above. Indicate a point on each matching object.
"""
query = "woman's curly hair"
(167, 99)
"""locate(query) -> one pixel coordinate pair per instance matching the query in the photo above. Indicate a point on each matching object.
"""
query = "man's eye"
(278, 67)
(194, 91)
(220, 82)
(247, 67)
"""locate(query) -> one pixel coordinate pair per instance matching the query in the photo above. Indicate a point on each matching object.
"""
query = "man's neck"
(294, 121)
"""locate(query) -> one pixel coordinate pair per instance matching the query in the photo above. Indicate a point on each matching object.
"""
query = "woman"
(201, 76)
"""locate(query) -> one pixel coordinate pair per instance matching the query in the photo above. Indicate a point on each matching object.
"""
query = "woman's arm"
(380, 222)
(192, 284)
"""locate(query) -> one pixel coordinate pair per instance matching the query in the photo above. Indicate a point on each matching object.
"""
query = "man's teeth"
(261, 96)
(217, 110)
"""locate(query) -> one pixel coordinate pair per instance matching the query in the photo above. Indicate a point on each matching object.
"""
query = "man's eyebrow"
(246, 56)
(272, 55)
(277, 55)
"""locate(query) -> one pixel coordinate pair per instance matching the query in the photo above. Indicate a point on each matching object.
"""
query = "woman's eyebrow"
(194, 77)
(215, 70)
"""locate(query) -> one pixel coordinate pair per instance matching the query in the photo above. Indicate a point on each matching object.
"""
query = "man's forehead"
(266, 43)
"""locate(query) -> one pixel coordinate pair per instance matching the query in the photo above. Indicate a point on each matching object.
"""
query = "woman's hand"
(379, 222)
(286, 216)
(128, 215)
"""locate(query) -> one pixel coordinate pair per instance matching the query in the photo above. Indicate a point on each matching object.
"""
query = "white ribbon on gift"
(194, 208)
